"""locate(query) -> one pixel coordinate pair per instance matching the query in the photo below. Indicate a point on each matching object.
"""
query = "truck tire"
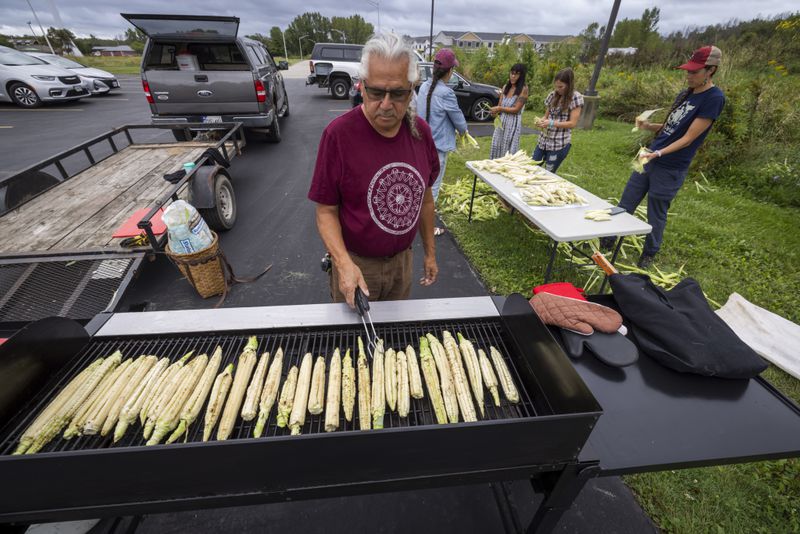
(274, 130)
(222, 216)
(340, 88)
(180, 135)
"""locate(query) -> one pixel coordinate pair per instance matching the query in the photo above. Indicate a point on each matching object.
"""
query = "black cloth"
(217, 156)
(175, 177)
(680, 330)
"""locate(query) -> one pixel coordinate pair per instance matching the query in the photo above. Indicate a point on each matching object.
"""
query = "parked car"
(474, 99)
(196, 69)
(334, 66)
(98, 81)
(28, 81)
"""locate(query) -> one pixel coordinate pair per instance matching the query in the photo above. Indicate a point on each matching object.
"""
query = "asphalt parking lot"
(276, 226)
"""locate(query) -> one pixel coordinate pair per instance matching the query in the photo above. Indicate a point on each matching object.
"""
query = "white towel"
(770, 335)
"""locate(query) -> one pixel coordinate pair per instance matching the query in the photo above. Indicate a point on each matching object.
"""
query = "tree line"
(310, 28)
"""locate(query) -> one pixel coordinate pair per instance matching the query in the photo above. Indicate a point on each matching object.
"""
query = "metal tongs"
(362, 307)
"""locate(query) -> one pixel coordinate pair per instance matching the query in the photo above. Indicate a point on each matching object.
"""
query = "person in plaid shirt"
(563, 106)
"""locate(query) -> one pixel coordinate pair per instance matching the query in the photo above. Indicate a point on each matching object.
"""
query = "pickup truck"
(334, 66)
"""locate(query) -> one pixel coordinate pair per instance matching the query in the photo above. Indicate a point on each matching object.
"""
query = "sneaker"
(645, 261)
(607, 243)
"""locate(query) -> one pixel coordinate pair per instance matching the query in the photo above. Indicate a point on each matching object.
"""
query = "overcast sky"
(563, 17)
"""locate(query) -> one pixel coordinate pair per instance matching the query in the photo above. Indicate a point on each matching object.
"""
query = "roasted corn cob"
(445, 378)
(163, 397)
(489, 378)
(61, 417)
(162, 388)
(334, 393)
(287, 397)
(403, 393)
(137, 376)
(459, 378)
(244, 370)
(316, 395)
(54, 406)
(251, 400)
(133, 406)
(414, 378)
(473, 366)
(75, 426)
(270, 392)
(504, 376)
(348, 386)
(432, 381)
(298, 417)
(378, 386)
(96, 420)
(170, 417)
(390, 377)
(364, 393)
(219, 392)
(191, 409)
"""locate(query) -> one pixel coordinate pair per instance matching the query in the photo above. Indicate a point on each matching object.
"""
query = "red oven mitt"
(578, 316)
(565, 289)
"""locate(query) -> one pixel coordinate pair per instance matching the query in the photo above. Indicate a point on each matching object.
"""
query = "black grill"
(69, 80)
(78, 289)
(294, 346)
(543, 432)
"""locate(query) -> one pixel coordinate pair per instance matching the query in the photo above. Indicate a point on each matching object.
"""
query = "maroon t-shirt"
(377, 182)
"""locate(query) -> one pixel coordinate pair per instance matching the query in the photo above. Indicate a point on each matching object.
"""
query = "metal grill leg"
(564, 488)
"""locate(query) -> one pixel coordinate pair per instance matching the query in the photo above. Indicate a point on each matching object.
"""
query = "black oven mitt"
(612, 349)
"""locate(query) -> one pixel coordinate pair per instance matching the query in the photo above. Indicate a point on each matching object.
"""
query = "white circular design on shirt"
(395, 196)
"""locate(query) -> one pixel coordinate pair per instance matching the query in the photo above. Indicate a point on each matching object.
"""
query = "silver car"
(28, 82)
(99, 82)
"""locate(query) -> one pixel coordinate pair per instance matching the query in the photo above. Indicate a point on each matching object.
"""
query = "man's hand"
(350, 277)
(431, 271)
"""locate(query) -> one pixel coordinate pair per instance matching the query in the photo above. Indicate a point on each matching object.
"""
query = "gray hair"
(389, 46)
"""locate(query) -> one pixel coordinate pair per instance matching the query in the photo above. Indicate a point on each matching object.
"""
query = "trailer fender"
(201, 192)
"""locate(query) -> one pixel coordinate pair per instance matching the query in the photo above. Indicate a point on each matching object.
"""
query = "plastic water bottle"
(187, 231)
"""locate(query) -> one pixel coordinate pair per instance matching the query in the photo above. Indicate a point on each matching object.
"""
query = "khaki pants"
(388, 278)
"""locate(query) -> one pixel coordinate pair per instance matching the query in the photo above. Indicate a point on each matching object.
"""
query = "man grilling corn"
(372, 181)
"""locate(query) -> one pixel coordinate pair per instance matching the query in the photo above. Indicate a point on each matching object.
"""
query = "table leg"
(472, 198)
(563, 488)
(549, 270)
(613, 259)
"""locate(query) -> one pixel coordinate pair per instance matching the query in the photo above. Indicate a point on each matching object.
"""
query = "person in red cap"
(438, 105)
(674, 146)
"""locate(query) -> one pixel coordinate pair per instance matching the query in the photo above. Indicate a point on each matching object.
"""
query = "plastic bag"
(187, 231)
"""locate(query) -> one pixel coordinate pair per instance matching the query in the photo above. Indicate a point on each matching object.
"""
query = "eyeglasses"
(395, 95)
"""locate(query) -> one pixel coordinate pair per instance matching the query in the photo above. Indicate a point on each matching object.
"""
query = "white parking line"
(6, 127)
(31, 110)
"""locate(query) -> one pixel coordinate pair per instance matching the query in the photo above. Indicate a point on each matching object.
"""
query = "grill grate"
(78, 289)
(295, 344)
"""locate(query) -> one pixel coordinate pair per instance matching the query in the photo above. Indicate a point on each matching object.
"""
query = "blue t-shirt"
(705, 105)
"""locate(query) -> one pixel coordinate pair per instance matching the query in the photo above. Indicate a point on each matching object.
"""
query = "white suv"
(335, 66)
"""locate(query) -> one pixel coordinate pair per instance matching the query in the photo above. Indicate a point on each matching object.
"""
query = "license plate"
(115, 84)
(80, 90)
(212, 119)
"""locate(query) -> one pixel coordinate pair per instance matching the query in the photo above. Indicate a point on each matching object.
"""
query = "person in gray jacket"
(437, 104)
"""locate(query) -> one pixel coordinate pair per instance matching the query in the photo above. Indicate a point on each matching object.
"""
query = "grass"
(112, 64)
(729, 242)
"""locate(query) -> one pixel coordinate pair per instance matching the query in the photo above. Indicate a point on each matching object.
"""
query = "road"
(276, 226)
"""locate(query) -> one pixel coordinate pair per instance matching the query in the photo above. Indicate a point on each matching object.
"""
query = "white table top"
(565, 224)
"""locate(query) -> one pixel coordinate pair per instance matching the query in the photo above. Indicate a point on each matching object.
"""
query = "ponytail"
(438, 74)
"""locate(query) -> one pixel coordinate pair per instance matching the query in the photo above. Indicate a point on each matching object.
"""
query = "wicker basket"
(205, 270)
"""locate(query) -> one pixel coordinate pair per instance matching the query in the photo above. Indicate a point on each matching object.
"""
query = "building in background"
(469, 40)
(122, 50)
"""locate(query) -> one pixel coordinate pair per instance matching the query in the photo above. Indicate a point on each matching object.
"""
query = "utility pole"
(430, 42)
(376, 4)
(591, 99)
(41, 28)
(300, 42)
(285, 50)
(603, 49)
(344, 37)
